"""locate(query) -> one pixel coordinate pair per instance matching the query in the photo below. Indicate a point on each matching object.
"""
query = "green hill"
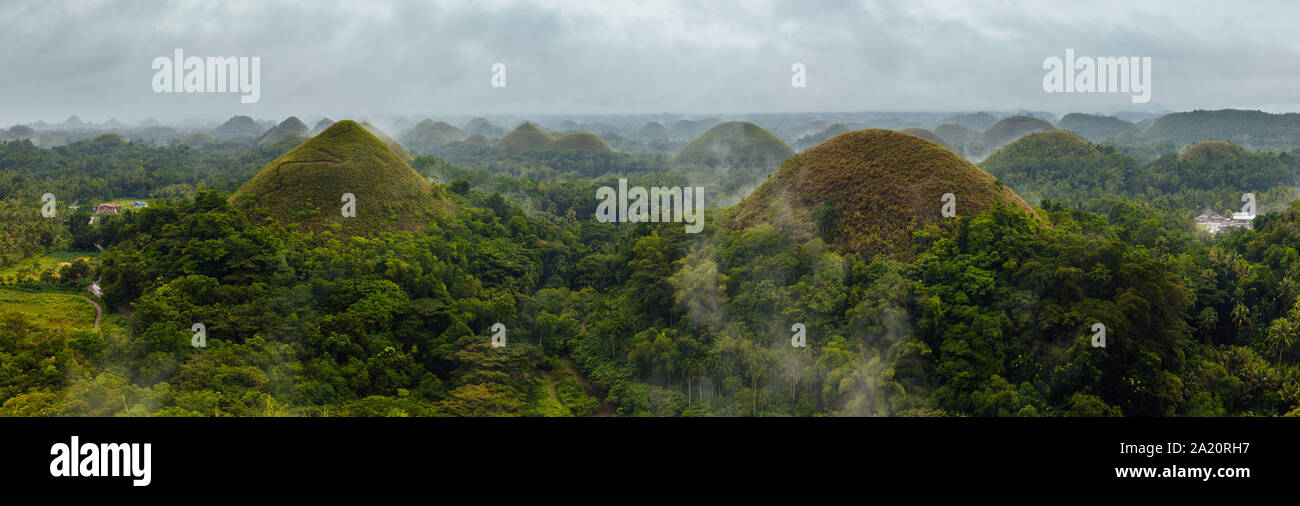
(428, 135)
(929, 136)
(1096, 128)
(527, 137)
(869, 190)
(19, 132)
(1042, 156)
(392, 144)
(1010, 129)
(1212, 151)
(477, 140)
(735, 143)
(321, 126)
(485, 127)
(292, 127)
(1256, 129)
(304, 187)
(653, 130)
(238, 127)
(579, 141)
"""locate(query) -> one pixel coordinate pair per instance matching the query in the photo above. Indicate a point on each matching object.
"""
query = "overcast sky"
(610, 56)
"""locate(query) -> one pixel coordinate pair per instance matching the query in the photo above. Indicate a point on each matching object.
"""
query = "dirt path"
(98, 311)
(572, 369)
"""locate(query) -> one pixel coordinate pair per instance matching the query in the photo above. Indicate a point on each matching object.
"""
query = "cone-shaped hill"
(428, 135)
(238, 126)
(304, 187)
(1012, 128)
(1212, 151)
(929, 136)
(735, 143)
(653, 130)
(321, 126)
(579, 141)
(1040, 154)
(392, 144)
(869, 190)
(526, 137)
(292, 127)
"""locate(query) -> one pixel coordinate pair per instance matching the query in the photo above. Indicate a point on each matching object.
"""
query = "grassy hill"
(1051, 155)
(485, 127)
(321, 126)
(735, 143)
(867, 191)
(579, 141)
(1096, 128)
(653, 130)
(428, 135)
(304, 187)
(292, 127)
(1010, 129)
(238, 127)
(1212, 151)
(527, 137)
(929, 136)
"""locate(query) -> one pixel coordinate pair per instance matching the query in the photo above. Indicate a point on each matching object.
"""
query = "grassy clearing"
(31, 268)
(49, 310)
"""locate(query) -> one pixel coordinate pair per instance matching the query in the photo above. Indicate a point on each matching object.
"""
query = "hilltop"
(735, 143)
(527, 137)
(653, 130)
(304, 187)
(1096, 128)
(869, 190)
(1212, 151)
(1010, 129)
(579, 141)
(321, 126)
(485, 127)
(1050, 155)
(428, 135)
(292, 127)
(238, 126)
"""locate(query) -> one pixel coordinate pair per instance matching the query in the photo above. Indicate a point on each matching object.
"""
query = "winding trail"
(98, 311)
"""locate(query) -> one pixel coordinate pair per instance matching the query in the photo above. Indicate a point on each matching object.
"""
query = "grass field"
(49, 310)
(43, 263)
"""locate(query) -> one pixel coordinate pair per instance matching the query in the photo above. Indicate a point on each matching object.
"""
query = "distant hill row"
(972, 135)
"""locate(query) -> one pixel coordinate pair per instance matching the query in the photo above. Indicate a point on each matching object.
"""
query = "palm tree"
(1240, 316)
(1280, 336)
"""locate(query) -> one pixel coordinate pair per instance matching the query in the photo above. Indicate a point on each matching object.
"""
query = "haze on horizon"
(346, 59)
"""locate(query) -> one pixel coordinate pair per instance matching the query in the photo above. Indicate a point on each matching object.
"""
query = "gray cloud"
(350, 59)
